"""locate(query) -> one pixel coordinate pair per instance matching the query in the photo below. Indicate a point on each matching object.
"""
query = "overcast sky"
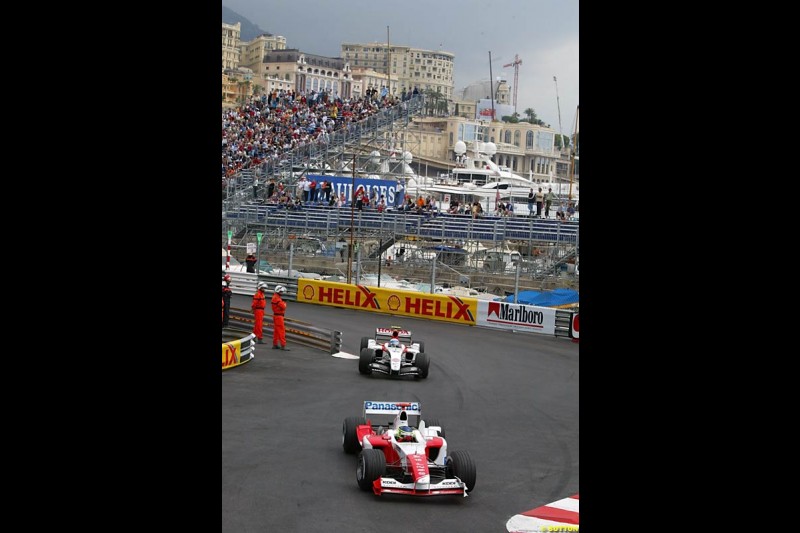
(544, 33)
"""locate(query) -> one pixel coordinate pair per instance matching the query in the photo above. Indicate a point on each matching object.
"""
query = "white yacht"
(478, 178)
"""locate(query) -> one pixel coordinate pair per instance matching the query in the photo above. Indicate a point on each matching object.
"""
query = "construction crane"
(517, 62)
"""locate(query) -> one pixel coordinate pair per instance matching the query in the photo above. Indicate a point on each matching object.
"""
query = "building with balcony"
(230, 45)
(253, 52)
(237, 86)
(405, 67)
(309, 72)
(366, 78)
(527, 149)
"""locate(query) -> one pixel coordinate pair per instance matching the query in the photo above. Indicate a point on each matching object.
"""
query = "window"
(545, 141)
(529, 140)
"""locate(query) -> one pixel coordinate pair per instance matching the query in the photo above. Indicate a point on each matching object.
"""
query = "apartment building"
(366, 78)
(230, 45)
(309, 72)
(253, 52)
(405, 67)
(527, 149)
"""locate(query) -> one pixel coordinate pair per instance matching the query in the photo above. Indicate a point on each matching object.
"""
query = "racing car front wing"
(388, 485)
(404, 371)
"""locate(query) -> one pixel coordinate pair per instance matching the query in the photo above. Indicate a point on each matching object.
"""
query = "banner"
(231, 353)
(392, 190)
(390, 301)
(517, 317)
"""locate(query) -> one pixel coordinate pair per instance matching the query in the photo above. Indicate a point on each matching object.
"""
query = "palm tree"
(243, 84)
(431, 101)
(441, 107)
(531, 114)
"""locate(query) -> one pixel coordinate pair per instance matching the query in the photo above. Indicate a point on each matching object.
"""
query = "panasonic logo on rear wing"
(379, 408)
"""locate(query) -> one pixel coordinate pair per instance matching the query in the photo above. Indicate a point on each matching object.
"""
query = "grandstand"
(546, 245)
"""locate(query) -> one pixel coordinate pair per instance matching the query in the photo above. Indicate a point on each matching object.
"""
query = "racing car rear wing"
(391, 410)
(385, 334)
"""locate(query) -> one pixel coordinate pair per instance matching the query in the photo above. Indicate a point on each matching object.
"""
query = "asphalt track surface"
(510, 400)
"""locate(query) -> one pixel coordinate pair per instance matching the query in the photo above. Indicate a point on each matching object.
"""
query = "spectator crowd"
(270, 125)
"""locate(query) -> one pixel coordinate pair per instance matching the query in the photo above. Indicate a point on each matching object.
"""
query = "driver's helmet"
(394, 343)
(404, 434)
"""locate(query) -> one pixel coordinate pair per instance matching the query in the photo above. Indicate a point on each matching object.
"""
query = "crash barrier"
(237, 349)
(331, 220)
(445, 308)
(246, 282)
(574, 330)
(297, 331)
(470, 311)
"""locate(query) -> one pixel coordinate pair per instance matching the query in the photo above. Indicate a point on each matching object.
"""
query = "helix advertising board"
(391, 301)
(232, 354)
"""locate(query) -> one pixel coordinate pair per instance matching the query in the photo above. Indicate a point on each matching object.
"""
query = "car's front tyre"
(364, 360)
(349, 434)
(460, 465)
(423, 363)
(371, 466)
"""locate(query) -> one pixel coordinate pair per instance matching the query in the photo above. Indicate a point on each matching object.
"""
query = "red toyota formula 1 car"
(400, 453)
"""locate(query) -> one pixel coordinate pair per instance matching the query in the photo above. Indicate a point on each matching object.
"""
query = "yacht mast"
(560, 133)
(491, 83)
(574, 149)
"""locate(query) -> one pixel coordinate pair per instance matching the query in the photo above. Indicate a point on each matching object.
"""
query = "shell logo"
(308, 292)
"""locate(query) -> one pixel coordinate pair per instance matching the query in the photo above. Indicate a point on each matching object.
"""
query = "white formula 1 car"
(401, 458)
(391, 352)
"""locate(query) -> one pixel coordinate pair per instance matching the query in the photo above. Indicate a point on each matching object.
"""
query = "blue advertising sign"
(392, 190)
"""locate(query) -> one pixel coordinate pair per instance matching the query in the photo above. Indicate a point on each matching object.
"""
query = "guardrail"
(238, 348)
(334, 221)
(245, 283)
(297, 331)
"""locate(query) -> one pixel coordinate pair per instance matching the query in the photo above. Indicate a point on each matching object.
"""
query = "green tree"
(441, 107)
(435, 102)
(531, 114)
(562, 141)
(243, 89)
